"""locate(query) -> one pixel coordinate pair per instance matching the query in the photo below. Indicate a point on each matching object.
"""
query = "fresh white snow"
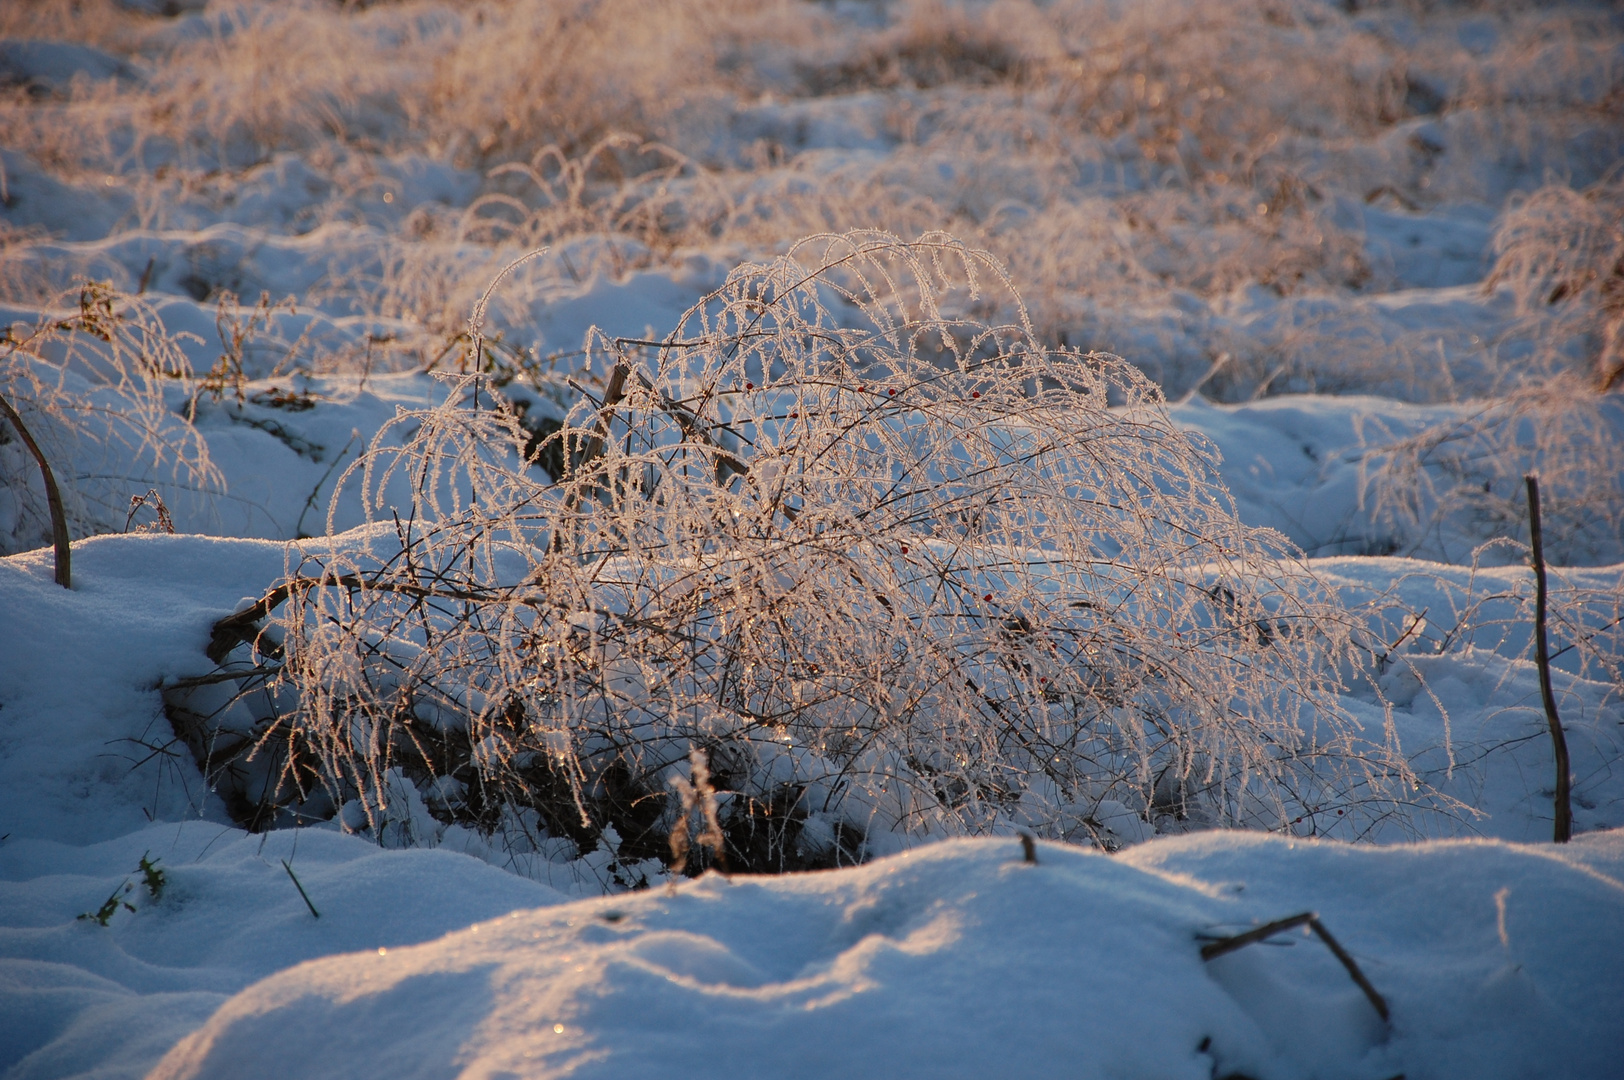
(960, 959)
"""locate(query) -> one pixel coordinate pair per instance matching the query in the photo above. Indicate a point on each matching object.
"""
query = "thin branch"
(1214, 949)
(1358, 976)
(302, 894)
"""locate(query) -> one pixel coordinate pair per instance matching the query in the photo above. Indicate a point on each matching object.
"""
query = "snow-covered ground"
(1370, 253)
(1495, 958)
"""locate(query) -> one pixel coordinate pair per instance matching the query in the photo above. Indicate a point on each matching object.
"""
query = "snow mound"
(51, 66)
(81, 999)
(961, 959)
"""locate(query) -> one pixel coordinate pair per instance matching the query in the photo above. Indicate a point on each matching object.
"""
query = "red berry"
(749, 386)
(891, 392)
(975, 393)
(905, 549)
(988, 597)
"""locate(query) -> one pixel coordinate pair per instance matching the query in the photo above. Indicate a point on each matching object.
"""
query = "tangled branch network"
(889, 565)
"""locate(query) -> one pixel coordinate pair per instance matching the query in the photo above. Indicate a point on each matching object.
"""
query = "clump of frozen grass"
(918, 571)
(91, 382)
(1455, 484)
(1561, 252)
(620, 186)
(94, 22)
(1586, 617)
(1110, 154)
(520, 76)
(930, 43)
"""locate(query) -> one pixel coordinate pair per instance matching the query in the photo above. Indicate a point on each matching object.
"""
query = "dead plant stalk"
(53, 496)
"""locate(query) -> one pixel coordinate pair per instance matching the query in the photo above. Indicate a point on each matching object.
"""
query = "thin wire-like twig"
(302, 894)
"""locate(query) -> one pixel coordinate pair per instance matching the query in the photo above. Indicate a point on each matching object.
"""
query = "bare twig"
(1354, 973)
(304, 895)
(1416, 623)
(216, 677)
(1214, 949)
(1542, 656)
(1029, 848)
(612, 395)
(310, 503)
(242, 627)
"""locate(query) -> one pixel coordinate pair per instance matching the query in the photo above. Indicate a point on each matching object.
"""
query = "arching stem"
(53, 497)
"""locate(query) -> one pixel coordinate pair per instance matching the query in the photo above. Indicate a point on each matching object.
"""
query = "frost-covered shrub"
(893, 568)
(1560, 253)
(89, 380)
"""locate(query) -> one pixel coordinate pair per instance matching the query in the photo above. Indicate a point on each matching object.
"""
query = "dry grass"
(1561, 255)
(1561, 252)
(1118, 158)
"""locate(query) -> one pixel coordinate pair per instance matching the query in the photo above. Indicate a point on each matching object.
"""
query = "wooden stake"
(1542, 656)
